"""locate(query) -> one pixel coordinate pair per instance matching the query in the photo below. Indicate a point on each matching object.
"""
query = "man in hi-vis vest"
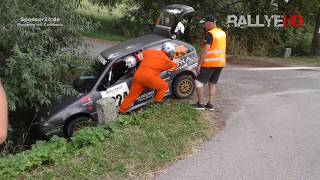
(211, 62)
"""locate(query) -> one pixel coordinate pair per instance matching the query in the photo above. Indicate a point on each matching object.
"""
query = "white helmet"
(131, 61)
(169, 49)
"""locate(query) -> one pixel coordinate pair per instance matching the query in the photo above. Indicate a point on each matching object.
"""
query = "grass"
(99, 11)
(109, 21)
(145, 143)
(308, 61)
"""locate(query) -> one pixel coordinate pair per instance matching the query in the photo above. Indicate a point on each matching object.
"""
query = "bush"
(51, 152)
(299, 42)
(37, 61)
(42, 152)
(89, 136)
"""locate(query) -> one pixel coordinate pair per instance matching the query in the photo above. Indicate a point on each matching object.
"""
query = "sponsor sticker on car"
(117, 92)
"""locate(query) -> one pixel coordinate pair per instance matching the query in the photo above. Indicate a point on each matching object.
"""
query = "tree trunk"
(316, 38)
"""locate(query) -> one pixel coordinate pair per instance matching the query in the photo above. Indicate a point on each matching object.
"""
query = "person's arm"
(204, 52)
(3, 115)
(202, 56)
(139, 56)
(172, 66)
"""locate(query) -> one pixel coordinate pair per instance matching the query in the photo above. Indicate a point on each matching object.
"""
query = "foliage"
(90, 136)
(42, 152)
(316, 37)
(109, 3)
(135, 144)
(37, 61)
(52, 152)
(141, 14)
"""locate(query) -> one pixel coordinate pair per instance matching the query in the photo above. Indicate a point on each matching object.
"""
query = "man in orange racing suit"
(148, 75)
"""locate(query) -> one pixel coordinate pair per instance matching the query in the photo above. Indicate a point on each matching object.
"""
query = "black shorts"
(209, 74)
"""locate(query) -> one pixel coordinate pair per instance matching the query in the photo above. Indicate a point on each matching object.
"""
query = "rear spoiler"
(163, 30)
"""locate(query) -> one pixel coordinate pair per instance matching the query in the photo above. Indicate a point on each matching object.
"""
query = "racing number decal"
(117, 92)
(119, 98)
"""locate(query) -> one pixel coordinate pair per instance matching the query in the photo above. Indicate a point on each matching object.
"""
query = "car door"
(113, 86)
(118, 87)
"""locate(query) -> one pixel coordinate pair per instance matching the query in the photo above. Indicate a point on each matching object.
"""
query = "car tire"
(183, 87)
(77, 123)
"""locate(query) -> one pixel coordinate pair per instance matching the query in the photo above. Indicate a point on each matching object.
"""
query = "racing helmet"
(169, 49)
(130, 61)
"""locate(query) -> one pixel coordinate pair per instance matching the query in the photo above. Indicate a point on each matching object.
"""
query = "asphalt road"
(272, 130)
(96, 46)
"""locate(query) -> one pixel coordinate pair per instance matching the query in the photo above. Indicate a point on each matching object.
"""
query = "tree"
(310, 12)
(316, 37)
(36, 61)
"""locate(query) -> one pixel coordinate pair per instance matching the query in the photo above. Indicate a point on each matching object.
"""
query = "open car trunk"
(173, 20)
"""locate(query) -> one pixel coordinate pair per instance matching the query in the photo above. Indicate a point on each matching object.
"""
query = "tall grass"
(108, 20)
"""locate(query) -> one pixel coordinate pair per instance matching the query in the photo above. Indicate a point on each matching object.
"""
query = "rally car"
(109, 77)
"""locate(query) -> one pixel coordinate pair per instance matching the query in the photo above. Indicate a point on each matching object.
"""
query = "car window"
(181, 48)
(187, 46)
(86, 80)
(118, 73)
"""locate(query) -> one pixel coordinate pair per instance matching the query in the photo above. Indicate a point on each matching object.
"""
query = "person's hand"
(198, 69)
(174, 69)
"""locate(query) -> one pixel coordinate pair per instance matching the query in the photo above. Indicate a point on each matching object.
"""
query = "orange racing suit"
(148, 77)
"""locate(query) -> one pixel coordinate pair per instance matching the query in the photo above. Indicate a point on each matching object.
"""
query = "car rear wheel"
(76, 124)
(183, 87)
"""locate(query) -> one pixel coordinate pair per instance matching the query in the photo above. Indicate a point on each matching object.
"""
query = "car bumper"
(49, 130)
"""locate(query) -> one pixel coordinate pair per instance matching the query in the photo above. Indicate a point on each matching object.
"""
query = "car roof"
(133, 45)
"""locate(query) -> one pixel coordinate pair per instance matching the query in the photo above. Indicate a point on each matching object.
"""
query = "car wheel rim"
(185, 87)
(82, 124)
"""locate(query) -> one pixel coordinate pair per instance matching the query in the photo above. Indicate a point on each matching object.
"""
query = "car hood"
(56, 107)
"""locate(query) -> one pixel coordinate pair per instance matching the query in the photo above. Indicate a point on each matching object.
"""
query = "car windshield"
(85, 82)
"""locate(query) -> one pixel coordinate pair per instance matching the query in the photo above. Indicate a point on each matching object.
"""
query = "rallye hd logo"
(277, 21)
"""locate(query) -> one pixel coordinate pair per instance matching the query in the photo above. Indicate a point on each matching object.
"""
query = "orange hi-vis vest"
(216, 54)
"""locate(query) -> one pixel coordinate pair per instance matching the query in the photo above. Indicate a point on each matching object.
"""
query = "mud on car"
(109, 77)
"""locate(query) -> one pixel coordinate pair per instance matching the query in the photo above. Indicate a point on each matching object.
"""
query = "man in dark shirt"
(211, 62)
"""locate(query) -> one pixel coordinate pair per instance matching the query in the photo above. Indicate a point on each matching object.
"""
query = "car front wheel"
(76, 124)
(183, 87)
